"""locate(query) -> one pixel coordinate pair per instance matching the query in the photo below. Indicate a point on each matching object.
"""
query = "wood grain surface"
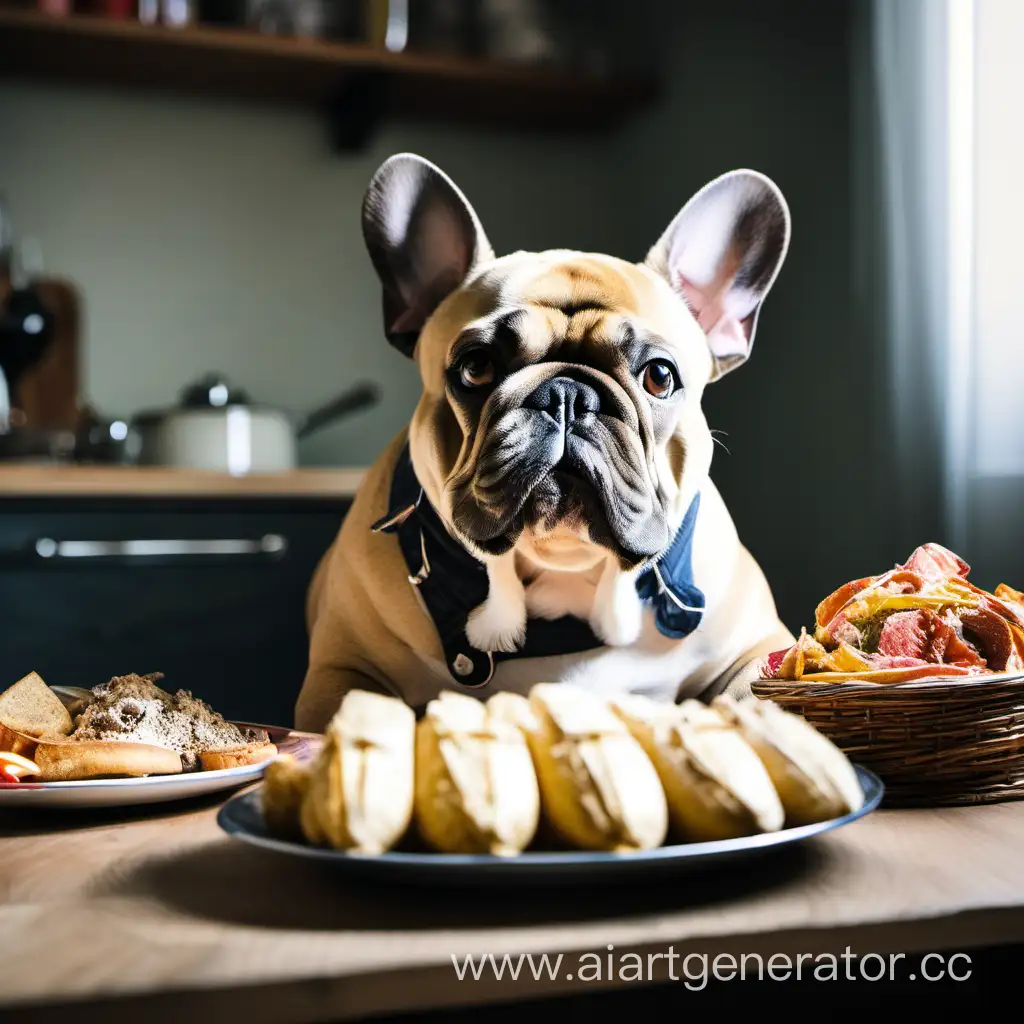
(163, 912)
(159, 481)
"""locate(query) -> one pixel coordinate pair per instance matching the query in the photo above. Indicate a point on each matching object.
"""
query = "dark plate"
(241, 817)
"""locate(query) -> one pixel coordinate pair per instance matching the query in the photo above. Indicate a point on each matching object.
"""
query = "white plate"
(154, 788)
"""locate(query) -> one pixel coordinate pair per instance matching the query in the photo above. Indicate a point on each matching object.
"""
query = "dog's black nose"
(566, 401)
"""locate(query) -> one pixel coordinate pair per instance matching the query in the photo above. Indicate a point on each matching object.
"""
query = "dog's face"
(561, 407)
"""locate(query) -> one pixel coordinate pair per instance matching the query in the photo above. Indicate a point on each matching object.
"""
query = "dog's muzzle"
(569, 453)
(568, 403)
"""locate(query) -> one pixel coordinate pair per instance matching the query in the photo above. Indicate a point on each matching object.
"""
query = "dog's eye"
(476, 370)
(658, 379)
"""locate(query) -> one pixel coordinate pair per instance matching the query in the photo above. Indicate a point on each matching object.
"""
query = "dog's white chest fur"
(736, 616)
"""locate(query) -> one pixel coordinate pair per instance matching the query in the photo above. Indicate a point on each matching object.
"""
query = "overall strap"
(450, 583)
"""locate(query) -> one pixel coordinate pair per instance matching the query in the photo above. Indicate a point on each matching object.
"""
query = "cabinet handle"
(270, 545)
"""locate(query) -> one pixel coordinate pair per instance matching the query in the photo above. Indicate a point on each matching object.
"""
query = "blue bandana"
(451, 583)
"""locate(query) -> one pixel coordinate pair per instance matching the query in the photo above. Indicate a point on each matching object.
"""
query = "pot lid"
(212, 392)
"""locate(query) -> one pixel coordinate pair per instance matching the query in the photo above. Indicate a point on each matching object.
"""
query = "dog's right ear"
(423, 238)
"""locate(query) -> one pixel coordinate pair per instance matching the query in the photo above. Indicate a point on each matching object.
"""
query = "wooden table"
(161, 910)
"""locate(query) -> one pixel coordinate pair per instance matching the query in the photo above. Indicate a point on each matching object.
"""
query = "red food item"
(995, 638)
(924, 636)
(826, 611)
(772, 664)
(905, 634)
(920, 619)
(934, 562)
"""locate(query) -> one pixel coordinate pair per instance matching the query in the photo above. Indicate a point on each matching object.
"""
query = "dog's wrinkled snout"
(566, 401)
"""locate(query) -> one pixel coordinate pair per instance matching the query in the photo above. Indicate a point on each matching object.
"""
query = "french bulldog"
(548, 514)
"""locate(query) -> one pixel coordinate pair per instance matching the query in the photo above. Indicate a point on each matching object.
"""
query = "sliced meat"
(880, 661)
(934, 562)
(994, 637)
(951, 647)
(924, 636)
(863, 603)
(905, 635)
(1000, 603)
(827, 609)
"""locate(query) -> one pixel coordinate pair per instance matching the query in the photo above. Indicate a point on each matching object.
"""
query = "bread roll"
(599, 790)
(236, 757)
(814, 778)
(476, 788)
(71, 760)
(716, 785)
(285, 784)
(360, 797)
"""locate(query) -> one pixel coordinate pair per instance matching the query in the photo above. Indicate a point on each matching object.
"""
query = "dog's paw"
(497, 626)
(617, 617)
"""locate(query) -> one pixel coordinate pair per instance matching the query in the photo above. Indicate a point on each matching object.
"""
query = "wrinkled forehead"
(562, 299)
(565, 281)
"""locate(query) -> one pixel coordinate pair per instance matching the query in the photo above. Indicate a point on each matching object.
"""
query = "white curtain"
(915, 228)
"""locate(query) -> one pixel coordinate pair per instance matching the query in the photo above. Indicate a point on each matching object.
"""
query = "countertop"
(149, 482)
(157, 915)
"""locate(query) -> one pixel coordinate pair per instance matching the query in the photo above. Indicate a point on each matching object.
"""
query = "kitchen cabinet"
(210, 591)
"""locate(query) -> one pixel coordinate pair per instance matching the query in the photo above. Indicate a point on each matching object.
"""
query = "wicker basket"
(933, 743)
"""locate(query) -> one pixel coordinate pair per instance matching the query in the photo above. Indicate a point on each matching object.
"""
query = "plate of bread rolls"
(556, 784)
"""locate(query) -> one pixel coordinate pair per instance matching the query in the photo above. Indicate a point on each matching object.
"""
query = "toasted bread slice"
(236, 757)
(71, 760)
(31, 707)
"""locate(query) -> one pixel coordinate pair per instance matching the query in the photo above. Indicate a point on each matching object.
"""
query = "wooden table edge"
(426, 988)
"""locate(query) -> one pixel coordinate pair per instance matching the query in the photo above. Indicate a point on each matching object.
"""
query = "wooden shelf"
(240, 64)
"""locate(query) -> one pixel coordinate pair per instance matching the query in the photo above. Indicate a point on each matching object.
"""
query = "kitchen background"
(204, 233)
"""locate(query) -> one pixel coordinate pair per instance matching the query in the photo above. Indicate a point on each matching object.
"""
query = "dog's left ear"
(722, 253)
(423, 238)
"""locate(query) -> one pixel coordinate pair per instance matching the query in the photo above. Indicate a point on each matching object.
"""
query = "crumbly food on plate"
(126, 727)
(134, 708)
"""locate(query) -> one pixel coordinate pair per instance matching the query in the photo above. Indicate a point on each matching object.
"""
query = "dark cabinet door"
(211, 596)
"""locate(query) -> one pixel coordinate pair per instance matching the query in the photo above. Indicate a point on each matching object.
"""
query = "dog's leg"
(617, 616)
(499, 624)
(322, 692)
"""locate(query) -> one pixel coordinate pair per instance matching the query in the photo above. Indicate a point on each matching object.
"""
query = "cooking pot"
(215, 426)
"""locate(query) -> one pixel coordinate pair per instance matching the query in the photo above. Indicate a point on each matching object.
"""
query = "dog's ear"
(722, 253)
(423, 238)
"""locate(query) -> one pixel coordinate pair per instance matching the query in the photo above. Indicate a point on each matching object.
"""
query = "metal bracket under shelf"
(357, 111)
